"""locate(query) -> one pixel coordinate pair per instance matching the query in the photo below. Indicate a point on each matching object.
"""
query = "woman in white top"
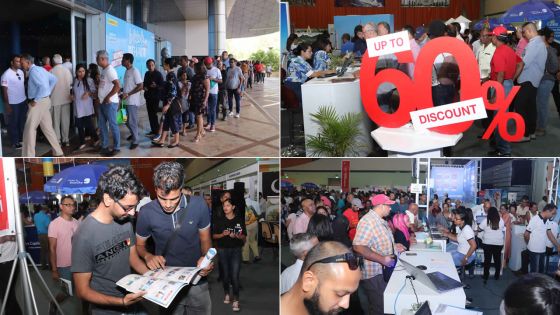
(83, 92)
(492, 242)
(463, 255)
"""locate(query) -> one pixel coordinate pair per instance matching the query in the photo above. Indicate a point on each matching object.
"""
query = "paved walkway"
(254, 134)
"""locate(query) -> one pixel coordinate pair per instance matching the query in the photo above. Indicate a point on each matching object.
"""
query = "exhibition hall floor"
(255, 133)
(258, 296)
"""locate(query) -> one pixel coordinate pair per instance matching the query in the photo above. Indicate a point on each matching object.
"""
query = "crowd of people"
(527, 58)
(368, 229)
(89, 99)
(120, 229)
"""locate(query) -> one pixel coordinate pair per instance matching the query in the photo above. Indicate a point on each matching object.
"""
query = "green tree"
(270, 57)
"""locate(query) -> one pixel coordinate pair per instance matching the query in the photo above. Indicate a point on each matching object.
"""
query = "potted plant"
(338, 136)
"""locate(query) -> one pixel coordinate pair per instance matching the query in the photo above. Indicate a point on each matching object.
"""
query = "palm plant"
(338, 135)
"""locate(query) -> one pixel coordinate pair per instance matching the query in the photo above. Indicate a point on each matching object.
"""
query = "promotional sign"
(388, 44)
(554, 25)
(270, 183)
(6, 218)
(122, 37)
(345, 176)
(48, 167)
(415, 188)
(360, 3)
(416, 93)
(447, 181)
(448, 114)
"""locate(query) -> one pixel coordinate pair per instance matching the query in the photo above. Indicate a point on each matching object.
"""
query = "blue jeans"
(536, 262)
(16, 121)
(458, 258)
(132, 121)
(108, 115)
(543, 94)
(230, 260)
(231, 93)
(502, 145)
(212, 103)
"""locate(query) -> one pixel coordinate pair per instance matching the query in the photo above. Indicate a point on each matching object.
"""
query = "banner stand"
(23, 257)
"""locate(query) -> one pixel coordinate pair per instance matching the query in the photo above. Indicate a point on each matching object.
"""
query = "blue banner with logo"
(122, 37)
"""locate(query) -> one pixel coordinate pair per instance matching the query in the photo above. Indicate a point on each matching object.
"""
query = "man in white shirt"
(133, 85)
(552, 234)
(300, 245)
(536, 236)
(61, 101)
(215, 76)
(542, 203)
(485, 54)
(68, 65)
(13, 93)
(109, 87)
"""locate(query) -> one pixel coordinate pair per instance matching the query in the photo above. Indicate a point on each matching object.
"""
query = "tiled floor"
(255, 133)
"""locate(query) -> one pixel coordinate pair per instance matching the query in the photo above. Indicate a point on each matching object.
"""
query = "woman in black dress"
(230, 234)
(198, 98)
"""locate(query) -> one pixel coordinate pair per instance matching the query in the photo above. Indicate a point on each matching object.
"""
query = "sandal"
(158, 144)
(196, 139)
(235, 306)
(226, 299)
(173, 145)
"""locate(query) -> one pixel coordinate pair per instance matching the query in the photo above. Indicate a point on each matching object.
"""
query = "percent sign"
(416, 94)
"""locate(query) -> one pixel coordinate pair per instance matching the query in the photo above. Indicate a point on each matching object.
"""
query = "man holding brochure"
(180, 228)
(103, 246)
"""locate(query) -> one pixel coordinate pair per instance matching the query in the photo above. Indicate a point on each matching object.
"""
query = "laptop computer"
(436, 281)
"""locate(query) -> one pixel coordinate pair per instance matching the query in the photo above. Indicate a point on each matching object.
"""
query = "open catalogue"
(161, 285)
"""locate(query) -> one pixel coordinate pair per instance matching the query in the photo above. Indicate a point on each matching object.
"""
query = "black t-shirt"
(235, 225)
(401, 239)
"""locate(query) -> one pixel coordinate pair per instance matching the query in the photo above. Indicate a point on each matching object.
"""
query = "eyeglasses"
(352, 260)
(126, 208)
(19, 78)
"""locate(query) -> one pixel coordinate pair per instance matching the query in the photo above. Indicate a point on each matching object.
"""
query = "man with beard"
(103, 246)
(180, 228)
(330, 273)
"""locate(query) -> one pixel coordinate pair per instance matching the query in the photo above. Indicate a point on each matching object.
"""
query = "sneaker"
(230, 113)
(18, 146)
(256, 259)
(156, 138)
(226, 299)
(212, 129)
(533, 137)
(133, 146)
(237, 115)
(235, 306)
(66, 144)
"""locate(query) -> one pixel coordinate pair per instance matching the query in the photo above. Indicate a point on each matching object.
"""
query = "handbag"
(121, 114)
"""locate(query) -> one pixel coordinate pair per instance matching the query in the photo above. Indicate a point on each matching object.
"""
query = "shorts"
(172, 122)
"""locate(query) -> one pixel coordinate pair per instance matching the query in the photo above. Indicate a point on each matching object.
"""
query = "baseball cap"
(419, 32)
(208, 60)
(357, 202)
(499, 30)
(381, 199)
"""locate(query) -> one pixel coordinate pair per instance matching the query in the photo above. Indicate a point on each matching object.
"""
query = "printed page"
(180, 274)
(161, 292)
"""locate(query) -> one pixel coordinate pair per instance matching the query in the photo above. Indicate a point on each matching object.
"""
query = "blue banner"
(347, 23)
(447, 181)
(122, 37)
(284, 24)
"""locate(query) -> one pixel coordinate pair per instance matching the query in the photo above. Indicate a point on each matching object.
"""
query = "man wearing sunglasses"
(329, 275)
(374, 241)
(180, 228)
(13, 93)
(103, 248)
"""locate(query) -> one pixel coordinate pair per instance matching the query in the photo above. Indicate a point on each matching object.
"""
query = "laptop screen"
(424, 309)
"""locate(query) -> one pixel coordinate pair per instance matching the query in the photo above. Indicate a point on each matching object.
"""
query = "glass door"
(78, 26)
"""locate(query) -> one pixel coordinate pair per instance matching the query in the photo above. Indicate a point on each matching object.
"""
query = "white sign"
(388, 44)
(416, 188)
(449, 114)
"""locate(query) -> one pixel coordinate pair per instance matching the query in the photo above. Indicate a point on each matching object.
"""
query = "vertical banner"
(48, 167)
(7, 201)
(270, 183)
(345, 176)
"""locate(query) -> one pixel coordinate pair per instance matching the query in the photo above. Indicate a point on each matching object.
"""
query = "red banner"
(345, 176)
(4, 220)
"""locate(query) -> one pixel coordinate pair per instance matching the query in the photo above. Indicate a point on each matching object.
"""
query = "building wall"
(187, 37)
(324, 11)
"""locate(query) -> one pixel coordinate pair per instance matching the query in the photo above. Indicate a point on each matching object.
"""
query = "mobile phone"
(410, 254)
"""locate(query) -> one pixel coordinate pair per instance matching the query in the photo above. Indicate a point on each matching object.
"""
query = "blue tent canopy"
(80, 179)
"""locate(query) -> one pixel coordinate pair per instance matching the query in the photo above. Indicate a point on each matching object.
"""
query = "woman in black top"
(198, 98)
(171, 110)
(230, 235)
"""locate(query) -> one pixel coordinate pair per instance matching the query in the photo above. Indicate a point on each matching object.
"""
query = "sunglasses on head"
(354, 262)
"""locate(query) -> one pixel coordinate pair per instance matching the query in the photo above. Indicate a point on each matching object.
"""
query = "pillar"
(216, 27)
(15, 35)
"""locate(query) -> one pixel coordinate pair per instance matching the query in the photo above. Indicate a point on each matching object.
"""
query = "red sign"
(416, 93)
(345, 176)
(4, 219)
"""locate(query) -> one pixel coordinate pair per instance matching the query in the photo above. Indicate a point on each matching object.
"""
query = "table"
(423, 247)
(435, 261)
(344, 96)
(408, 142)
(517, 246)
(421, 236)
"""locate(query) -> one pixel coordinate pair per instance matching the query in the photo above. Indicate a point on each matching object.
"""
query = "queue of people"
(91, 99)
